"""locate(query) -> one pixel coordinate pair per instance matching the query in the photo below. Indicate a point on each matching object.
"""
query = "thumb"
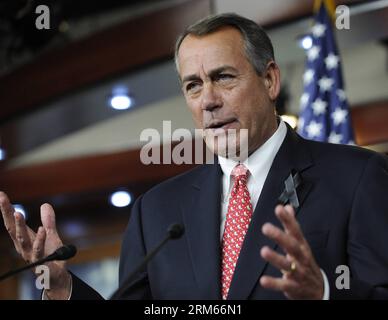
(47, 215)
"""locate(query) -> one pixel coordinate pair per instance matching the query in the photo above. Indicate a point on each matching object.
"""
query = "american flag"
(324, 112)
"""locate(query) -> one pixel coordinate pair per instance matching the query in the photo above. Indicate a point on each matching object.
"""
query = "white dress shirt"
(258, 164)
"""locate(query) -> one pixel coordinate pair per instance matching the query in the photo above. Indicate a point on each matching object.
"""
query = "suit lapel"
(202, 223)
(292, 155)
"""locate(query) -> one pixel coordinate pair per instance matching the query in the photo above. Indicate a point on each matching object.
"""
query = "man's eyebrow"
(212, 73)
(190, 77)
(221, 69)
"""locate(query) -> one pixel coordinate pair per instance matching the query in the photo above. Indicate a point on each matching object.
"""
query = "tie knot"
(239, 171)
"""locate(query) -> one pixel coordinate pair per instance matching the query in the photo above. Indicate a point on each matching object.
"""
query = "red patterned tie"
(237, 221)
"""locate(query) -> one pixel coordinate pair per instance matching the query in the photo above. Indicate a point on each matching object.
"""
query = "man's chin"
(230, 151)
(232, 144)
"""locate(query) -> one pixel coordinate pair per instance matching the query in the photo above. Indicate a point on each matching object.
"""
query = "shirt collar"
(260, 158)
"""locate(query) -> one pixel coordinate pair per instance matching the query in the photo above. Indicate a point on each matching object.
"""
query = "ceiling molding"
(103, 55)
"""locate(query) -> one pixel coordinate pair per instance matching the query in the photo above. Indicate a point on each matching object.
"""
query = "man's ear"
(272, 80)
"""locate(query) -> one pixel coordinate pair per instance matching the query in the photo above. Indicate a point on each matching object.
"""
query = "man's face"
(223, 91)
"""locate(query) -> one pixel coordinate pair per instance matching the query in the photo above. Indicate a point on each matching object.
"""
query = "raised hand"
(302, 278)
(33, 246)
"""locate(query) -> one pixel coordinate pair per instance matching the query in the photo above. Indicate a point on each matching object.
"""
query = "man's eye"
(192, 86)
(225, 76)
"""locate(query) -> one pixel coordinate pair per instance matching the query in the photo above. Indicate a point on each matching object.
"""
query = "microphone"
(175, 231)
(63, 253)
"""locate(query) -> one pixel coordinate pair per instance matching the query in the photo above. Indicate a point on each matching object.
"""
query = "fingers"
(22, 235)
(277, 260)
(47, 216)
(287, 242)
(7, 211)
(278, 284)
(38, 245)
(286, 216)
(301, 275)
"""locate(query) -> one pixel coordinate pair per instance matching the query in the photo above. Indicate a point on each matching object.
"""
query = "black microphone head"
(176, 231)
(65, 252)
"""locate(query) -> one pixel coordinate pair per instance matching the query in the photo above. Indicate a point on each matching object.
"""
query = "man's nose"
(210, 98)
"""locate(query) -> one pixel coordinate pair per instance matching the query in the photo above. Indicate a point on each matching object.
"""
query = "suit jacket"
(343, 214)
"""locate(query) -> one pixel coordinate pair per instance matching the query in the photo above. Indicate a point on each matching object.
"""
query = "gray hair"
(257, 44)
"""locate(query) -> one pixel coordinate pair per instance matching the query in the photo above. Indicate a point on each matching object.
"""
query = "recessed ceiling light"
(2, 154)
(120, 98)
(305, 41)
(121, 102)
(121, 199)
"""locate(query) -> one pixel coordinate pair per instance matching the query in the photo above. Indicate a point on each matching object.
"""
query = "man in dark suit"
(234, 246)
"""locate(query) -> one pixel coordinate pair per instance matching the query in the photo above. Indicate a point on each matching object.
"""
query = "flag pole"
(330, 7)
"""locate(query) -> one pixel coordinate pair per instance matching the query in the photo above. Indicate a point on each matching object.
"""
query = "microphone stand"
(63, 253)
(28, 266)
(174, 232)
